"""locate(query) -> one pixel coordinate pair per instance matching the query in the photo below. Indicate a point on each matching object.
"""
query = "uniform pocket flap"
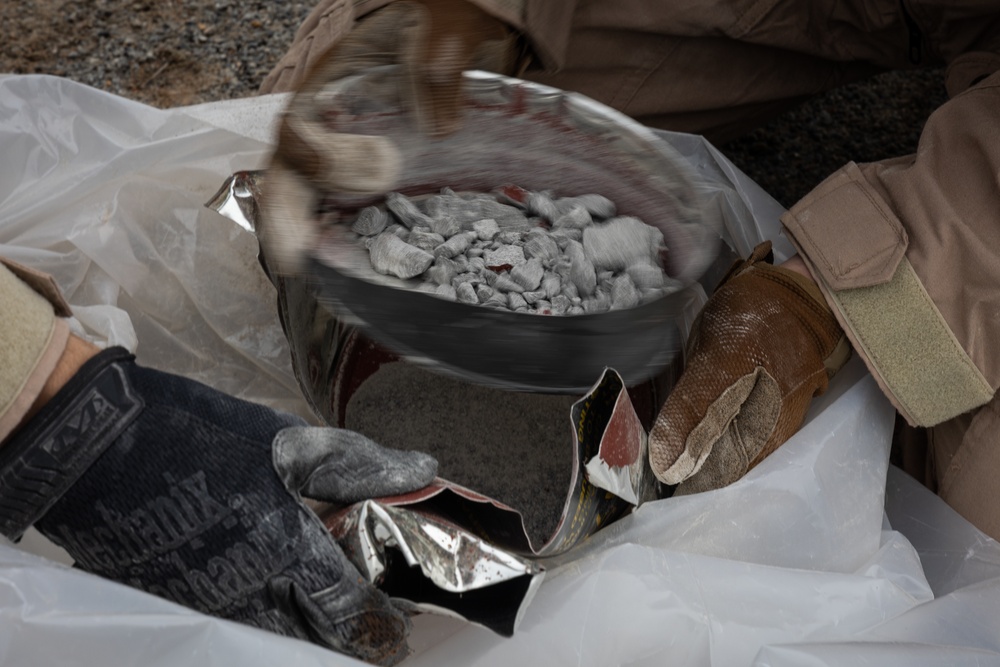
(848, 232)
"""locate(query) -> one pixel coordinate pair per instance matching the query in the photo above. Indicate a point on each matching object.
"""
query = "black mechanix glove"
(167, 485)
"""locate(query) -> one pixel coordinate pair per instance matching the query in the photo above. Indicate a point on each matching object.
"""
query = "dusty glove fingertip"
(287, 228)
(424, 467)
(682, 468)
(666, 446)
(408, 471)
(673, 453)
(671, 467)
(364, 164)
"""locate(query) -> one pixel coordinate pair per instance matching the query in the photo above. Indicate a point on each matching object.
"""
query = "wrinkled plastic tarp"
(822, 555)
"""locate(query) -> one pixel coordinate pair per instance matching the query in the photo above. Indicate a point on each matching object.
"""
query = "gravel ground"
(162, 52)
(864, 122)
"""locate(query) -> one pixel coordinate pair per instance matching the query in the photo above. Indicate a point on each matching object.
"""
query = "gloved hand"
(433, 41)
(166, 485)
(761, 348)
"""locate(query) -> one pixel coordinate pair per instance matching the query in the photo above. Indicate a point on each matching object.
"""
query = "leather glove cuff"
(801, 296)
(55, 448)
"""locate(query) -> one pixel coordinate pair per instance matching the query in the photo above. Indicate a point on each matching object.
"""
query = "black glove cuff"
(50, 453)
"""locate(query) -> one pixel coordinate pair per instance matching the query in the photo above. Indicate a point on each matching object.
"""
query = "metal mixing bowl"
(542, 139)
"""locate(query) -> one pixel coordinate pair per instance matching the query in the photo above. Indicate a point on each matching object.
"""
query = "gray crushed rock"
(529, 260)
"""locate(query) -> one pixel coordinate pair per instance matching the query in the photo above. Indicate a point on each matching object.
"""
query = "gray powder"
(513, 447)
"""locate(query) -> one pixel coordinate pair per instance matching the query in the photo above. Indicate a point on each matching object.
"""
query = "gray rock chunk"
(534, 298)
(542, 205)
(570, 291)
(599, 302)
(509, 237)
(581, 271)
(446, 226)
(466, 293)
(604, 278)
(456, 245)
(560, 305)
(505, 284)
(424, 239)
(471, 278)
(484, 292)
(393, 257)
(443, 271)
(511, 255)
(485, 229)
(528, 275)
(498, 300)
(621, 242)
(577, 217)
(477, 265)
(515, 301)
(370, 221)
(540, 244)
(406, 211)
(563, 236)
(624, 293)
(467, 209)
(598, 206)
(446, 292)
(399, 231)
(551, 284)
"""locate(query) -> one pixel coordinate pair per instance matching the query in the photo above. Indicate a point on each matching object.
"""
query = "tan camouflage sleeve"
(32, 338)
(906, 251)
(545, 23)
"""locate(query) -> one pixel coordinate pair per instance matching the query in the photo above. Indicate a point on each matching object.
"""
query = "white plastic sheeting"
(812, 559)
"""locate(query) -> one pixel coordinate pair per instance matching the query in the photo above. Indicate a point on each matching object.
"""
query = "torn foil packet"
(611, 474)
(412, 549)
(448, 550)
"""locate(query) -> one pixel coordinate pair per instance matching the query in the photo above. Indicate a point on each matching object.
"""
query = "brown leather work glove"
(433, 41)
(761, 348)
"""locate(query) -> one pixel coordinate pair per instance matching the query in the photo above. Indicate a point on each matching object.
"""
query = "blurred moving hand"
(764, 344)
(166, 485)
(433, 42)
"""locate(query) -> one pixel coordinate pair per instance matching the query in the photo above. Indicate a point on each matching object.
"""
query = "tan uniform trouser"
(714, 67)
(722, 67)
